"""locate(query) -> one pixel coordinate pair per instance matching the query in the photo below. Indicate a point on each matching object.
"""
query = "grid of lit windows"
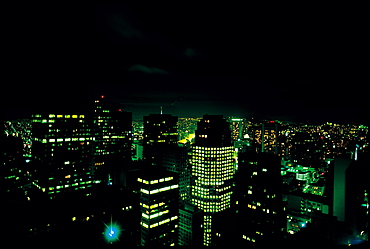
(64, 142)
(157, 214)
(207, 221)
(212, 167)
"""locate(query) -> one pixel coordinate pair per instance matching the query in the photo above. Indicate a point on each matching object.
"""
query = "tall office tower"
(61, 153)
(112, 132)
(160, 131)
(213, 168)
(190, 226)
(357, 203)
(347, 189)
(175, 159)
(258, 198)
(159, 207)
(337, 186)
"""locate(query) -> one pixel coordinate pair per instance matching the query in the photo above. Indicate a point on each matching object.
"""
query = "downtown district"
(100, 178)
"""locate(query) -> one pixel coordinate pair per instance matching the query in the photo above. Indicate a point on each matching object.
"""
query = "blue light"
(112, 232)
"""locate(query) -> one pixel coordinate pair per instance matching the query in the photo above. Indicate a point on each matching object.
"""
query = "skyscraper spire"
(161, 110)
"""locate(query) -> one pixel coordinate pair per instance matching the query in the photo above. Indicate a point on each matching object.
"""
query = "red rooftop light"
(102, 96)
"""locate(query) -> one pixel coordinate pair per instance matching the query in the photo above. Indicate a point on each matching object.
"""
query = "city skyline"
(169, 124)
(294, 166)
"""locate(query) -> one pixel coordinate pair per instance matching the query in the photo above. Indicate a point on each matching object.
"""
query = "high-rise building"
(347, 189)
(61, 153)
(160, 131)
(190, 226)
(175, 159)
(257, 199)
(159, 207)
(213, 168)
(113, 139)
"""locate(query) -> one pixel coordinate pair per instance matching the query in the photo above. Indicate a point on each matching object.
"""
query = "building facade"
(213, 167)
(113, 140)
(62, 154)
(159, 207)
(257, 199)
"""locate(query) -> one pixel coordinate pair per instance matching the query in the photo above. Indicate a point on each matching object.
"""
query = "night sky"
(299, 63)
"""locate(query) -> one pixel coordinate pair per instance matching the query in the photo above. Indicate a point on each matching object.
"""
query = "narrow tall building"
(112, 128)
(213, 168)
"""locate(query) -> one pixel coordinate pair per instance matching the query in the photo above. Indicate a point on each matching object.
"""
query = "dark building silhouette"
(160, 132)
(13, 172)
(175, 159)
(257, 199)
(112, 141)
(190, 226)
(347, 191)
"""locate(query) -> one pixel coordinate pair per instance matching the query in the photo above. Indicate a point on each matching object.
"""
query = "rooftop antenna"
(161, 110)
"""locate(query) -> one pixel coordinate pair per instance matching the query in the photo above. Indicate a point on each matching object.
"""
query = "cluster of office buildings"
(210, 181)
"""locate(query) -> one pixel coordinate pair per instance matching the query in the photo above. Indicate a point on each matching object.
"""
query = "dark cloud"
(241, 58)
(121, 26)
(189, 52)
(145, 69)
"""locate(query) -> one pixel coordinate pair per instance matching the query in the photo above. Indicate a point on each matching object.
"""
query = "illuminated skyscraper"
(112, 132)
(61, 153)
(160, 131)
(159, 207)
(212, 170)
